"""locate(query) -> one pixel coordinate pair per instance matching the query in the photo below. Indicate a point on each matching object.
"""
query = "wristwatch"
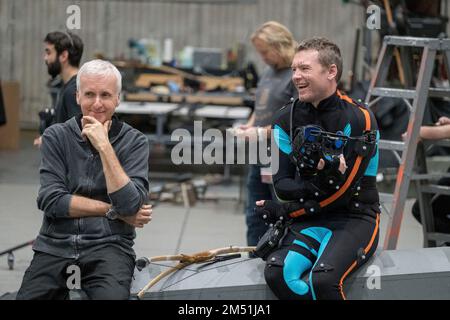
(111, 214)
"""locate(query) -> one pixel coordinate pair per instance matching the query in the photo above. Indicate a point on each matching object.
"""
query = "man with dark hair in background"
(62, 55)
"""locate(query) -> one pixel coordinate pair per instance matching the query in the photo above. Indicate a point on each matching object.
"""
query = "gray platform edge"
(419, 274)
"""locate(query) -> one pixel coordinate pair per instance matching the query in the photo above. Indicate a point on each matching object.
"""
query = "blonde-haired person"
(275, 45)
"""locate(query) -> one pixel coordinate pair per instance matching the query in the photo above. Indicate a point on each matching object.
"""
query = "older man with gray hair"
(93, 193)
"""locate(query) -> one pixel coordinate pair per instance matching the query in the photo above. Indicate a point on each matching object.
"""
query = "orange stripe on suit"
(352, 174)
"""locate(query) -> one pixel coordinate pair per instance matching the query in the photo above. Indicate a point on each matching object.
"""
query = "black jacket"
(66, 105)
(71, 166)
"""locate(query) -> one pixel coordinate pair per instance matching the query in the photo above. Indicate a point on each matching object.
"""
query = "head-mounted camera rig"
(311, 143)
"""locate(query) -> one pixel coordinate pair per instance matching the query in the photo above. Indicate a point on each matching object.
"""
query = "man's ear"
(78, 97)
(118, 100)
(64, 56)
(332, 72)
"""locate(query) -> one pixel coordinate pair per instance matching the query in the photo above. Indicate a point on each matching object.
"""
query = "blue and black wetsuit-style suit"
(335, 220)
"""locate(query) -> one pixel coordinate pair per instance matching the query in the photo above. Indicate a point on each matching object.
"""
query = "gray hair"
(102, 68)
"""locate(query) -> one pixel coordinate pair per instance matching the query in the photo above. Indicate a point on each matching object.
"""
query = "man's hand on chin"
(96, 132)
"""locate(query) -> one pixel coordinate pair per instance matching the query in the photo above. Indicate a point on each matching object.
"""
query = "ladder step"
(386, 197)
(391, 145)
(432, 43)
(393, 93)
(427, 176)
(442, 143)
(435, 189)
(439, 92)
(436, 236)
(408, 94)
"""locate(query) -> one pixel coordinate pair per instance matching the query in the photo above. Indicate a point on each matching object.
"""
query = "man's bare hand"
(244, 127)
(422, 134)
(37, 142)
(260, 203)
(246, 132)
(252, 133)
(342, 164)
(404, 135)
(143, 216)
(96, 132)
(443, 121)
(321, 164)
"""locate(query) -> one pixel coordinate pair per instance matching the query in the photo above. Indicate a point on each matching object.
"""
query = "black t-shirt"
(67, 105)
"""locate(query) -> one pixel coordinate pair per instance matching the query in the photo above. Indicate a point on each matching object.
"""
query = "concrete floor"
(173, 228)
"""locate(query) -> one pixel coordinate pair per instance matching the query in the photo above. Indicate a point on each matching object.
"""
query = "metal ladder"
(419, 96)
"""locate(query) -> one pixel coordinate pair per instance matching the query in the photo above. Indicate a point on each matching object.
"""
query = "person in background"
(276, 46)
(439, 203)
(62, 55)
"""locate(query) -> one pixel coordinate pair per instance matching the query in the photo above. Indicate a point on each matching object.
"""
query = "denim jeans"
(105, 274)
(256, 190)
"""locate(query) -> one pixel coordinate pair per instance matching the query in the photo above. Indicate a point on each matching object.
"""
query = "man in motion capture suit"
(327, 225)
